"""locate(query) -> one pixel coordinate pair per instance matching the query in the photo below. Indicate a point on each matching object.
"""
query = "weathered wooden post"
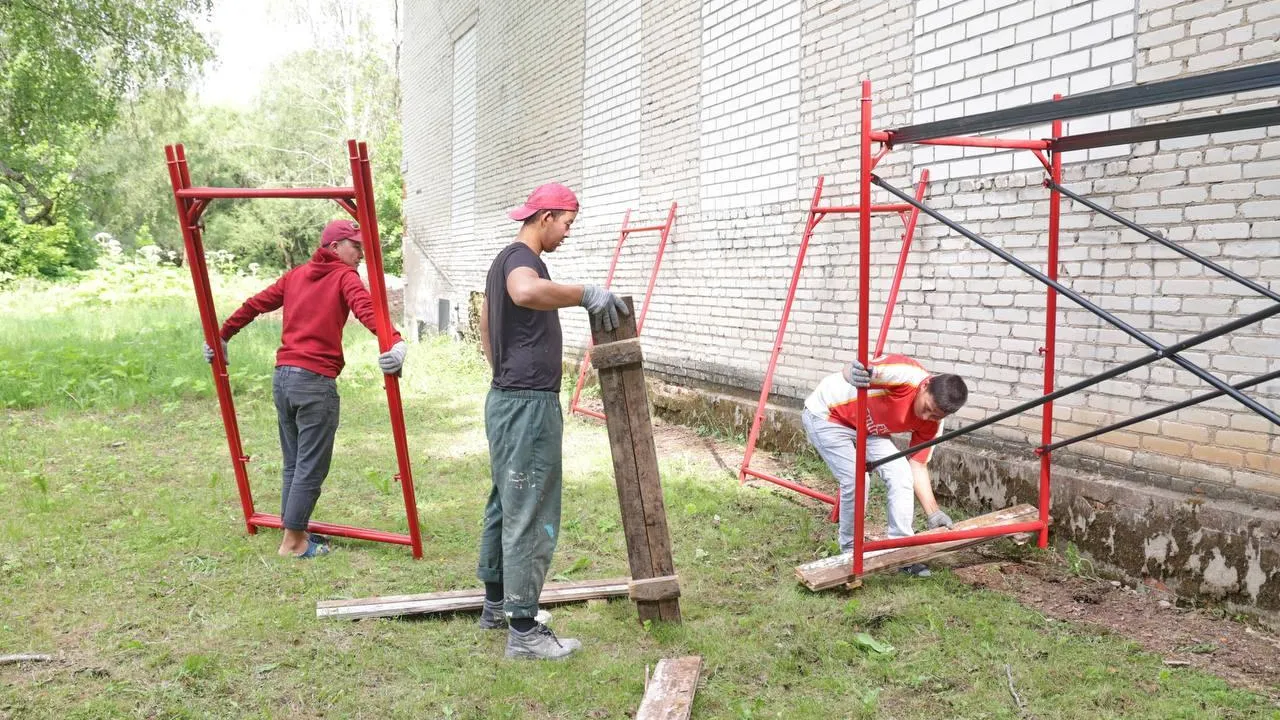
(618, 361)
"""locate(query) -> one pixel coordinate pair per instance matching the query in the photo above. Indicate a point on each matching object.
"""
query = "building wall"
(734, 108)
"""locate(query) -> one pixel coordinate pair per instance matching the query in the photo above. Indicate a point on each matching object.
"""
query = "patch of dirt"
(1242, 655)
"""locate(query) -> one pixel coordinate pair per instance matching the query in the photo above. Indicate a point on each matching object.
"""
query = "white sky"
(249, 35)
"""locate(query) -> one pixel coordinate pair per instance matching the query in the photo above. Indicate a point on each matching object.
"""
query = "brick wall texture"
(734, 108)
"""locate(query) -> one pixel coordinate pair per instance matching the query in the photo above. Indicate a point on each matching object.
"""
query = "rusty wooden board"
(464, 600)
(835, 571)
(669, 694)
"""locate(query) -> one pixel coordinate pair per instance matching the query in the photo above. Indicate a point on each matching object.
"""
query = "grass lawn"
(123, 554)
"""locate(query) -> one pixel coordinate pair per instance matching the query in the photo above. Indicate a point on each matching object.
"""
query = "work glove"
(603, 307)
(858, 375)
(392, 360)
(208, 353)
(938, 519)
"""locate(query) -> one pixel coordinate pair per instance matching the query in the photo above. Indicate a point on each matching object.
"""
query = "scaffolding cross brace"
(357, 200)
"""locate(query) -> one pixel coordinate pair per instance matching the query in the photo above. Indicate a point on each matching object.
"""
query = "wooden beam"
(464, 600)
(835, 571)
(617, 354)
(653, 589)
(669, 693)
(635, 470)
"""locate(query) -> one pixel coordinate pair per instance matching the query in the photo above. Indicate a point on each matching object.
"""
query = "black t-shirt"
(526, 344)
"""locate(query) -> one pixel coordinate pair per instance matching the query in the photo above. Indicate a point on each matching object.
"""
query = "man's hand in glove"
(208, 353)
(603, 307)
(938, 519)
(392, 360)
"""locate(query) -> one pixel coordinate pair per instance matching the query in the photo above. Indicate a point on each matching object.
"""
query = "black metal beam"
(1087, 383)
(1157, 413)
(1085, 303)
(1177, 128)
(1253, 77)
(1260, 289)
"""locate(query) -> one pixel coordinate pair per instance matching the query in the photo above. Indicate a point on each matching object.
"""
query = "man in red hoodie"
(317, 297)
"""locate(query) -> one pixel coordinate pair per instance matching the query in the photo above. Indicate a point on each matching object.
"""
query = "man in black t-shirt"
(520, 333)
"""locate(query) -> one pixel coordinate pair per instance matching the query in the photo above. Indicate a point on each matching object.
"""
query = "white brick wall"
(734, 108)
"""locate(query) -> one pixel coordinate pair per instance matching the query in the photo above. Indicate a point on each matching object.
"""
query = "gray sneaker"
(916, 570)
(539, 644)
(492, 616)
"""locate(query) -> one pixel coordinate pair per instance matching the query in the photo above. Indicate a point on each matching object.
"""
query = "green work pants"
(522, 518)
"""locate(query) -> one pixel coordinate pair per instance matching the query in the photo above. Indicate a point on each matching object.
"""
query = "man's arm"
(530, 291)
(923, 486)
(484, 332)
(264, 302)
(361, 304)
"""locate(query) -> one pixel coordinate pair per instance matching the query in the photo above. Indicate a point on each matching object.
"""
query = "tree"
(66, 66)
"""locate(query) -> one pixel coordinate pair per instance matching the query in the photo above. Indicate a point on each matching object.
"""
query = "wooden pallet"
(835, 571)
(464, 600)
(668, 695)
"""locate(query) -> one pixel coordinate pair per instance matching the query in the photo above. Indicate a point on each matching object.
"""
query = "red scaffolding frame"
(1048, 151)
(357, 199)
(817, 212)
(627, 231)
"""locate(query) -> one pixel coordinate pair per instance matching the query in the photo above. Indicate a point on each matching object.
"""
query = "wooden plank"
(835, 571)
(617, 354)
(464, 600)
(635, 462)
(669, 693)
(654, 589)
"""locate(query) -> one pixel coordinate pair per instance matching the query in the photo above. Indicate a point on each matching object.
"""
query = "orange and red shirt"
(895, 380)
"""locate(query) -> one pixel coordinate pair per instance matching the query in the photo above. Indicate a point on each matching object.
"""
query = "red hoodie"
(317, 297)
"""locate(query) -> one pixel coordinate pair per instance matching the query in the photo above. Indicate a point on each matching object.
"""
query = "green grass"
(123, 553)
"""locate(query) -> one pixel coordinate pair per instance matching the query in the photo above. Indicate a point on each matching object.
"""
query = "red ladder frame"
(626, 231)
(909, 217)
(357, 200)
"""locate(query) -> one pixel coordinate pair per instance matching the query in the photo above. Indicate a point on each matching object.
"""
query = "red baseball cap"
(338, 230)
(552, 196)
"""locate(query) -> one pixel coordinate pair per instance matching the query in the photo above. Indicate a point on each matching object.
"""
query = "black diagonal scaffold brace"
(1160, 350)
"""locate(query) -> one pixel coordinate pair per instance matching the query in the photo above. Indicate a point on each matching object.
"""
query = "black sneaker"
(916, 570)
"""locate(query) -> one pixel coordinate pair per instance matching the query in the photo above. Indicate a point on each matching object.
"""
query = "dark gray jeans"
(522, 517)
(307, 408)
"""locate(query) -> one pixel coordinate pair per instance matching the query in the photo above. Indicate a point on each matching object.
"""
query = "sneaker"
(493, 618)
(916, 570)
(539, 644)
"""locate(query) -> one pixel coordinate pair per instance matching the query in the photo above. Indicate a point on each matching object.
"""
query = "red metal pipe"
(363, 185)
(938, 537)
(657, 263)
(884, 150)
(590, 413)
(179, 178)
(803, 490)
(896, 207)
(349, 206)
(967, 141)
(902, 263)
(273, 521)
(864, 315)
(213, 193)
(1050, 335)
(754, 435)
(644, 228)
(586, 354)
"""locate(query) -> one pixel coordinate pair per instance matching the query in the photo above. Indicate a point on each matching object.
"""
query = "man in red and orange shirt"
(317, 298)
(901, 397)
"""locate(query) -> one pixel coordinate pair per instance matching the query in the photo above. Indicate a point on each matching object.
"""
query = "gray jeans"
(836, 444)
(522, 518)
(307, 410)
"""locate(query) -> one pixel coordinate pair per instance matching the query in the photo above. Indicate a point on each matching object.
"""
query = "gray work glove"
(603, 307)
(392, 360)
(938, 519)
(858, 375)
(208, 353)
